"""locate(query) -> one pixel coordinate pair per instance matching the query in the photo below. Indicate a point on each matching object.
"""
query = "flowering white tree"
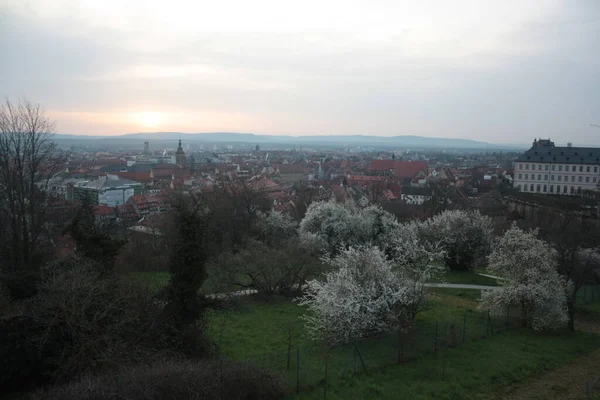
(362, 295)
(276, 227)
(532, 280)
(334, 224)
(416, 263)
(465, 235)
(367, 292)
(342, 225)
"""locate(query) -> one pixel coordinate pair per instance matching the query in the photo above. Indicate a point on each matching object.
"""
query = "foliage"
(28, 162)
(20, 285)
(80, 320)
(362, 295)
(94, 240)
(465, 236)
(532, 280)
(269, 270)
(275, 227)
(333, 223)
(176, 380)
(342, 225)
(187, 262)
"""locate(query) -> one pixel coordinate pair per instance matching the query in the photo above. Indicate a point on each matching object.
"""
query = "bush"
(84, 321)
(173, 380)
(20, 285)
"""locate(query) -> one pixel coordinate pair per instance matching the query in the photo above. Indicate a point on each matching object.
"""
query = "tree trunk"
(571, 313)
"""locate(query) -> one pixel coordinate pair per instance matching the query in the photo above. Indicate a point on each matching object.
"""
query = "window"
(551, 188)
(545, 177)
(544, 189)
(573, 178)
(587, 169)
(539, 167)
(519, 187)
(587, 179)
(560, 167)
(546, 167)
(538, 187)
(572, 189)
(526, 166)
(559, 178)
(595, 169)
(565, 189)
(531, 187)
(594, 180)
(574, 169)
(520, 166)
(551, 177)
(539, 177)
(581, 168)
(554, 168)
(524, 188)
(520, 176)
(557, 189)
(526, 176)
(580, 178)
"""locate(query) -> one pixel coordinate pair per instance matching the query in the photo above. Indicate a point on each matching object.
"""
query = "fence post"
(464, 327)
(325, 385)
(298, 368)
(437, 330)
(221, 378)
(289, 353)
(588, 391)
(354, 362)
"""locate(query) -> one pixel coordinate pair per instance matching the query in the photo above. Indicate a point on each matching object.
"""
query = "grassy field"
(485, 369)
(505, 365)
(490, 368)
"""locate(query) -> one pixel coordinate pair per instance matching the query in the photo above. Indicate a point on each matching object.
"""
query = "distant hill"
(340, 140)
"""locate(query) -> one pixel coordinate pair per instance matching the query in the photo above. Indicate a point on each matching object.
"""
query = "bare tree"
(28, 161)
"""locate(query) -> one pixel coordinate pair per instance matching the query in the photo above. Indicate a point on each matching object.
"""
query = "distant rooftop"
(544, 151)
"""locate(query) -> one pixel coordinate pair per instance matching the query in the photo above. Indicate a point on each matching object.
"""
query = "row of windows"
(544, 189)
(560, 167)
(560, 178)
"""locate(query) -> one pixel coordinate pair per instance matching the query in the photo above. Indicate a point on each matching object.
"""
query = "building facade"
(110, 191)
(548, 169)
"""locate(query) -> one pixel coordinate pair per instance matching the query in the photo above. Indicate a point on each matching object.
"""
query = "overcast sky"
(499, 71)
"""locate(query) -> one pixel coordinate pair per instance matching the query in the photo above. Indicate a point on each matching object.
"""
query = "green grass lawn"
(485, 369)
(482, 368)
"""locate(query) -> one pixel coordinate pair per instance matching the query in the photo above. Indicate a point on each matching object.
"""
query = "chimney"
(569, 144)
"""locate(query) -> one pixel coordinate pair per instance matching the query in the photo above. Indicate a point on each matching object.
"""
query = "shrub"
(174, 380)
(20, 285)
(83, 320)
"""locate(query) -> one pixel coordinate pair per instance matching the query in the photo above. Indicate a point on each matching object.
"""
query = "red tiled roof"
(103, 211)
(135, 176)
(400, 169)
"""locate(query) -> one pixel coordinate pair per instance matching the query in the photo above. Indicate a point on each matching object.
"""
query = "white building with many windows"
(548, 169)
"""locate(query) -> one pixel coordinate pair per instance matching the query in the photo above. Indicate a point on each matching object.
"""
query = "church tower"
(180, 155)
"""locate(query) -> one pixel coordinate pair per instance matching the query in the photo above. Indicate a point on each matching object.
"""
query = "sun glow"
(149, 119)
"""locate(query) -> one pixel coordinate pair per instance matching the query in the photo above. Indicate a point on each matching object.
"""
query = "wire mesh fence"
(588, 294)
(308, 365)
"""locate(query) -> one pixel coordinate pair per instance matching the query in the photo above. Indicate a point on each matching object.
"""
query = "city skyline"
(500, 73)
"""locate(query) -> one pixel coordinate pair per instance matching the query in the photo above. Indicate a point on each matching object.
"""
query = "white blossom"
(465, 235)
(362, 295)
(532, 280)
